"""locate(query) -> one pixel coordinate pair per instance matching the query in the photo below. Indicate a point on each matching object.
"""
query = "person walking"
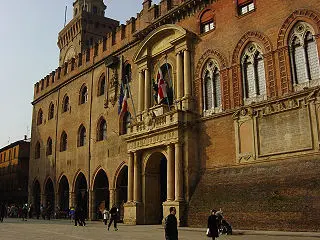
(2, 211)
(171, 225)
(212, 225)
(105, 214)
(114, 215)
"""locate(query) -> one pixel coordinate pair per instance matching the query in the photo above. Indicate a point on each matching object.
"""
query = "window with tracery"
(63, 142)
(65, 104)
(253, 73)
(83, 95)
(102, 85)
(102, 130)
(211, 86)
(304, 55)
(49, 147)
(51, 111)
(40, 117)
(82, 136)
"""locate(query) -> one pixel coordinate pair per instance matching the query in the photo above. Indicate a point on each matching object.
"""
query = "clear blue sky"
(28, 52)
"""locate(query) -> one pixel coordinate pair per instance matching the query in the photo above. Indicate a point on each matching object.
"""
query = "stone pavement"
(16, 229)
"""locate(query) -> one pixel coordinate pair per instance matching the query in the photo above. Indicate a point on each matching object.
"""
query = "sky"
(28, 52)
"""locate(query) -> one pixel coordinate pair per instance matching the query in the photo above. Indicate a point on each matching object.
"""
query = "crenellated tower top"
(95, 7)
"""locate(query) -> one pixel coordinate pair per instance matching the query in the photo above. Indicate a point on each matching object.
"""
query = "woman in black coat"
(212, 225)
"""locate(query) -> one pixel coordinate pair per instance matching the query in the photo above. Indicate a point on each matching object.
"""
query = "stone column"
(111, 197)
(92, 205)
(130, 177)
(187, 74)
(141, 92)
(72, 199)
(179, 76)
(170, 173)
(178, 172)
(137, 179)
(147, 92)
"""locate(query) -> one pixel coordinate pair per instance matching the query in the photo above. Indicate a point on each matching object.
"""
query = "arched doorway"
(101, 194)
(81, 192)
(63, 194)
(122, 190)
(49, 194)
(155, 188)
(36, 193)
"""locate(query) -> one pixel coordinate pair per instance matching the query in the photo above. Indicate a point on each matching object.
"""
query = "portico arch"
(100, 194)
(36, 197)
(81, 192)
(63, 193)
(155, 182)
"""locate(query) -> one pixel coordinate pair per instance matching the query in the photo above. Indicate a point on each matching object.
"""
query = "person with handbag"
(212, 230)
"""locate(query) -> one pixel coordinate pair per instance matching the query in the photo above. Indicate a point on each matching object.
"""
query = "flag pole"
(170, 80)
(65, 15)
(134, 109)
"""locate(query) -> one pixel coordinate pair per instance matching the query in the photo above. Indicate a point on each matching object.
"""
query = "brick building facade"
(239, 130)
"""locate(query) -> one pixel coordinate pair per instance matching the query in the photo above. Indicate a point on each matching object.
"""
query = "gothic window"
(211, 86)
(63, 142)
(245, 6)
(51, 111)
(40, 117)
(207, 22)
(49, 147)
(102, 85)
(102, 130)
(83, 95)
(65, 104)
(253, 73)
(303, 54)
(82, 136)
(37, 151)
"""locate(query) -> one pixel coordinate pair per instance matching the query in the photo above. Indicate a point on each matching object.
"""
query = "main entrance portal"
(155, 181)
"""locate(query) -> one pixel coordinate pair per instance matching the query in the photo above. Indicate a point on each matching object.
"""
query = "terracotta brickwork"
(257, 159)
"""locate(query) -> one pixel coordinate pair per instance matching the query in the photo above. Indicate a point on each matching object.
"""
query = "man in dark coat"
(2, 211)
(171, 225)
(114, 211)
(212, 224)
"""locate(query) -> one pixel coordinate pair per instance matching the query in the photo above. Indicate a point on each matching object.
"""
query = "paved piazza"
(65, 230)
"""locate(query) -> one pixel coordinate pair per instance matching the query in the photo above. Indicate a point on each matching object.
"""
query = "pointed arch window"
(51, 111)
(63, 142)
(40, 117)
(37, 151)
(49, 147)
(253, 74)
(102, 130)
(305, 67)
(82, 135)
(102, 85)
(65, 104)
(83, 95)
(211, 87)
(207, 21)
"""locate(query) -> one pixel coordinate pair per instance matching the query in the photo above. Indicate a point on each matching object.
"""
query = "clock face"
(70, 54)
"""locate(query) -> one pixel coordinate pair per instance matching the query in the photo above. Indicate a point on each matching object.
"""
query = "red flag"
(162, 86)
(124, 107)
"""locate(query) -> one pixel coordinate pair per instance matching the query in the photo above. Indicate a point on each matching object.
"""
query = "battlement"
(136, 28)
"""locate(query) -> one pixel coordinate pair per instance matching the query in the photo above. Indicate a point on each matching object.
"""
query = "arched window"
(83, 95)
(211, 86)
(304, 55)
(40, 117)
(65, 104)
(253, 74)
(207, 21)
(82, 136)
(102, 130)
(37, 151)
(49, 147)
(51, 111)
(63, 141)
(102, 85)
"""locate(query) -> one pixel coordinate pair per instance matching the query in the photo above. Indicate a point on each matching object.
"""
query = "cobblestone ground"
(14, 229)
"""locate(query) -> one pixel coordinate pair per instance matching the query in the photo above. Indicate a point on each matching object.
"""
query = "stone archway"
(49, 201)
(63, 194)
(121, 192)
(81, 193)
(155, 181)
(36, 195)
(101, 194)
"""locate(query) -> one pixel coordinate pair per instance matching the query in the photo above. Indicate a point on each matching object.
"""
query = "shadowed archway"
(63, 193)
(81, 193)
(101, 194)
(36, 194)
(121, 194)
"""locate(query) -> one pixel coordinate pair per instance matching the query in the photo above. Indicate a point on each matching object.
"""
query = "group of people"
(112, 215)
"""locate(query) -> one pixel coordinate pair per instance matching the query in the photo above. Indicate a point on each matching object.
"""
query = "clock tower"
(87, 27)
